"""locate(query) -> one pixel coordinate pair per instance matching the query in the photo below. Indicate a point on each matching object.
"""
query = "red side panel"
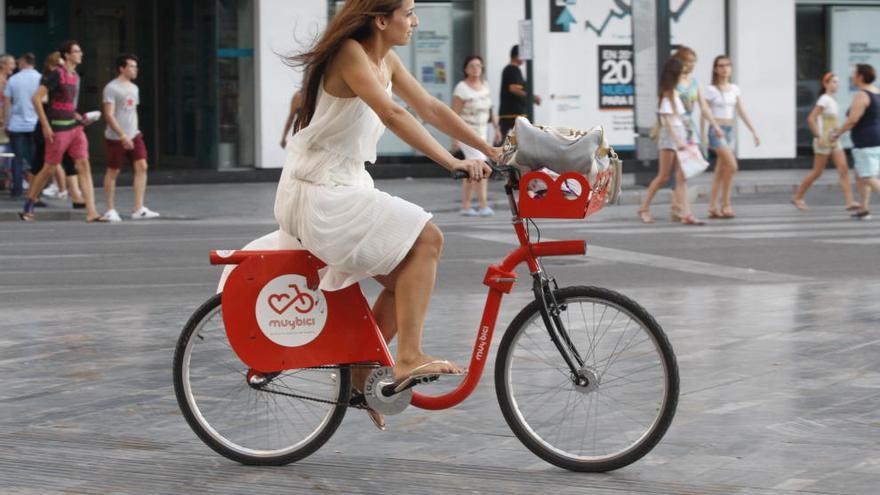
(275, 322)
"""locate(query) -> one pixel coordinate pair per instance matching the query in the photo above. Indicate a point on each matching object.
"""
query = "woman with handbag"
(672, 139)
(691, 93)
(725, 101)
(472, 101)
(823, 121)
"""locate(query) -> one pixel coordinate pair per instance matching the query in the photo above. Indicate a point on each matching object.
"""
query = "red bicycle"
(585, 377)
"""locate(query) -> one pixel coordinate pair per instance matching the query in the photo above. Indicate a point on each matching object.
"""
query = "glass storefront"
(196, 71)
(831, 36)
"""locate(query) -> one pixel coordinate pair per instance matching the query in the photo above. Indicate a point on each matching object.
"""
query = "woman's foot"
(424, 365)
(359, 376)
(853, 206)
(691, 220)
(357, 399)
(727, 212)
(645, 216)
(800, 205)
(675, 213)
(713, 214)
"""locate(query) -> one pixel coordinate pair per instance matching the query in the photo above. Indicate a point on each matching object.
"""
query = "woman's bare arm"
(356, 71)
(457, 106)
(432, 110)
(741, 111)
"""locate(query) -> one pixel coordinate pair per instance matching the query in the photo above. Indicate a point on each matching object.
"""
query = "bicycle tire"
(528, 433)
(211, 436)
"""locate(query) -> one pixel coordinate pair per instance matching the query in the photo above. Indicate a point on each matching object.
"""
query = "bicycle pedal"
(408, 384)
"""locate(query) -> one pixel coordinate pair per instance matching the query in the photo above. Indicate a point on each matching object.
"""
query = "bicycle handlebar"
(496, 170)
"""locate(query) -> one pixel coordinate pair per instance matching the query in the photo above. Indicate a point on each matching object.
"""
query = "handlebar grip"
(460, 174)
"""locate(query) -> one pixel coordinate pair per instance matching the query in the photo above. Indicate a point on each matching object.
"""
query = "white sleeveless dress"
(327, 200)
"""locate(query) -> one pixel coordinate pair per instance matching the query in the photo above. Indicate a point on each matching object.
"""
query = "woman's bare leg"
(412, 284)
(664, 168)
(483, 193)
(386, 318)
(730, 166)
(839, 159)
(819, 163)
(681, 192)
(467, 192)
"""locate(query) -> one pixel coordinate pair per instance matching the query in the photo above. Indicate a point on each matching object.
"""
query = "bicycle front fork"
(544, 287)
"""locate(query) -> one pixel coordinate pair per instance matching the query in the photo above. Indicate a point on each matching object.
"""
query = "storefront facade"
(215, 88)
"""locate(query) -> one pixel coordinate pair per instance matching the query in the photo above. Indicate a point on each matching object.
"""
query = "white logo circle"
(290, 314)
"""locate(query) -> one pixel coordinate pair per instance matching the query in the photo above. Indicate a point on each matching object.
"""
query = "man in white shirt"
(123, 139)
(21, 118)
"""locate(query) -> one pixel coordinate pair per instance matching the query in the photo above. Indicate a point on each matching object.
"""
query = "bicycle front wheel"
(251, 418)
(631, 389)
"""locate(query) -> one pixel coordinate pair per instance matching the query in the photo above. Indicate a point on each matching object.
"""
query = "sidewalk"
(200, 201)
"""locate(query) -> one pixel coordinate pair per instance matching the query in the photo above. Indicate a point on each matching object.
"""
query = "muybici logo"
(290, 314)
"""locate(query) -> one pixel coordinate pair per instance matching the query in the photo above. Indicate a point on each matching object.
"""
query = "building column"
(763, 51)
(280, 30)
(2, 26)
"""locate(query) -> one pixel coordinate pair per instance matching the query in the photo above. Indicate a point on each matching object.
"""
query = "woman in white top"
(725, 101)
(327, 200)
(823, 120)
(472, 101)
(672, 138)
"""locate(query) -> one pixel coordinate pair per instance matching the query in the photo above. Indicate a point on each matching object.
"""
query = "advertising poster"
(584, 59)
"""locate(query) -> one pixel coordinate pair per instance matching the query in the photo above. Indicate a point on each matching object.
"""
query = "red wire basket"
(569, 195)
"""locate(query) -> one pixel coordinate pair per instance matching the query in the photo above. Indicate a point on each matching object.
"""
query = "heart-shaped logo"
(276, 302)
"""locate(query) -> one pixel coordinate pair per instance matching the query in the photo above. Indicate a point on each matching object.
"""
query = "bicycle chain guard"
(276, 319)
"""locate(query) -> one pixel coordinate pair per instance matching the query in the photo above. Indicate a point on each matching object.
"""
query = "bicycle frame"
(352, 336)
(500, 279)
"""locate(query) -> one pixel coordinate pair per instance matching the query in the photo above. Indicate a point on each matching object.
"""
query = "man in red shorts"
(123, 138)
(63, 131)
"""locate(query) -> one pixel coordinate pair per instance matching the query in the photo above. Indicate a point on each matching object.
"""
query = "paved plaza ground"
(774, 317)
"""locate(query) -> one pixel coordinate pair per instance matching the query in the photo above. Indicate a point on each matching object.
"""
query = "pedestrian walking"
(123, 139)
(514, 97)
(62, 129)
(21, 119)
(823, 120)
(725, 103)
(296, 102)
(863, 120)
(672, 138)
(327, 199)
(472, 101)
(64, 181)
(691, 93)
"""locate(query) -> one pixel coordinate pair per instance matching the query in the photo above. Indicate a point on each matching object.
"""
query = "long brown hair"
(685, 52)
(824, 83)
(672, 70)
(51, 62)
(353, 21)
(716, 80)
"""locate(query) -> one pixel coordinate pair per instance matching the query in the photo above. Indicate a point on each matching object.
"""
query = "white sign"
(289, 313)
(592, 41)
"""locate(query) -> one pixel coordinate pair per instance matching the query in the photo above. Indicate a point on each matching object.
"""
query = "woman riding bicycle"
(325, 196)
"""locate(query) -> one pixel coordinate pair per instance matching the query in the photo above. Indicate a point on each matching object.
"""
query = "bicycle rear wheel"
(247, 417)
(632, 390)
